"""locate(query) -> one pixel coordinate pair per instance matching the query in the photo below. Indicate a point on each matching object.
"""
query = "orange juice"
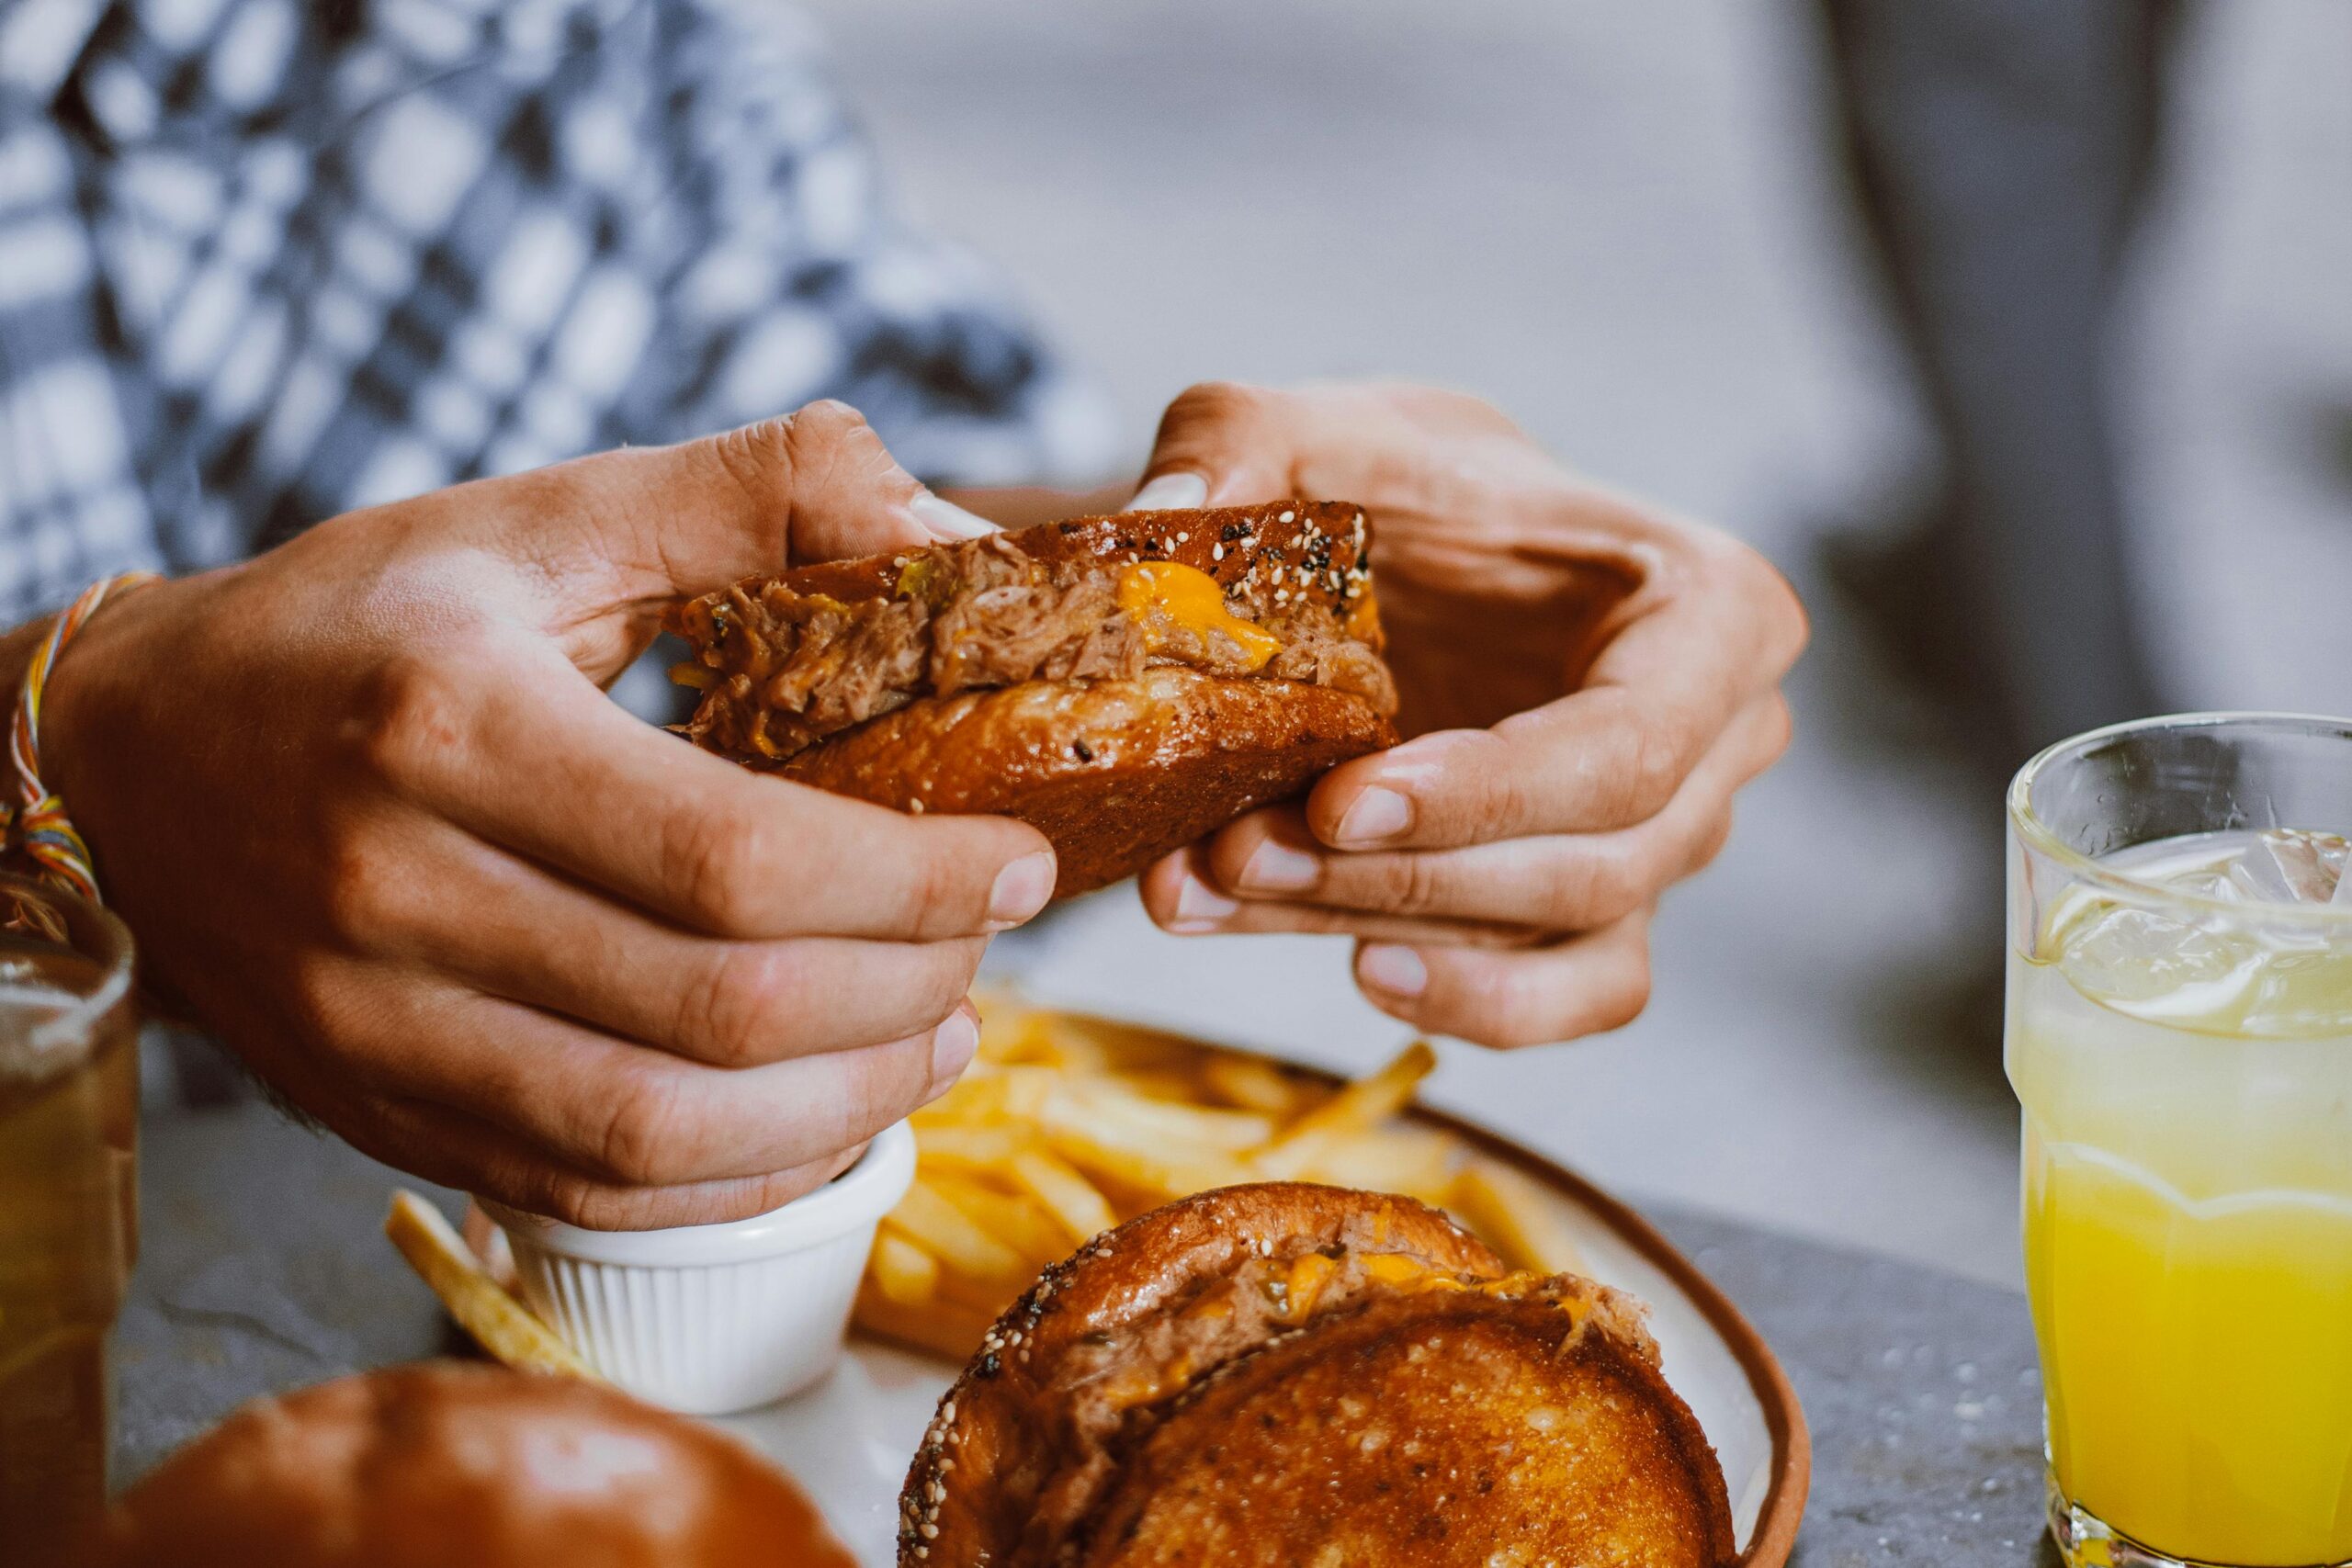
(2187, 1091)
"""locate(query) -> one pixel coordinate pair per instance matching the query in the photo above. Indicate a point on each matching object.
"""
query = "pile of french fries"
(1064, 1126)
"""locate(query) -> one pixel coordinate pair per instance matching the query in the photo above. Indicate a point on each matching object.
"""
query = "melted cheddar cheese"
(1191, 599)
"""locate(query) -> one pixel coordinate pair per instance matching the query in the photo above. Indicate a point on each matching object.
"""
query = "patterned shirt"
(265, 261)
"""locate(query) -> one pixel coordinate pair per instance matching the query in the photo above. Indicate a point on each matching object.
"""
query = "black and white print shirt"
(265, 261)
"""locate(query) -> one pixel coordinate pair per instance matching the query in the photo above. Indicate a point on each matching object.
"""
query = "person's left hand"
(1586, 681)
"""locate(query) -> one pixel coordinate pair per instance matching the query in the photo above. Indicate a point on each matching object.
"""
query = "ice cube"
(2151, 963)
(2291, 865)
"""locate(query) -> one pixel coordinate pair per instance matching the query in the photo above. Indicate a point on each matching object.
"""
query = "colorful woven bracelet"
(35, 825)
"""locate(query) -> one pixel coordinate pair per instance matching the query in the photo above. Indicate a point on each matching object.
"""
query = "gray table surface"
(264, 1268)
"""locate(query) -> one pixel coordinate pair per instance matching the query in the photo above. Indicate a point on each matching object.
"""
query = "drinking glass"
(2179, 1035)
(69, 1119)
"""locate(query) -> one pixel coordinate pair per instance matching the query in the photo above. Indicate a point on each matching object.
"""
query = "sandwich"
(442, 1462)
(1286, 1373)
(1126, 685)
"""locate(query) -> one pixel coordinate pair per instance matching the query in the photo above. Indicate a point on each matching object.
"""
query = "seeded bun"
(446, 1462)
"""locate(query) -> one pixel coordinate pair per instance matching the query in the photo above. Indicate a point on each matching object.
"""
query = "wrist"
(82, 699)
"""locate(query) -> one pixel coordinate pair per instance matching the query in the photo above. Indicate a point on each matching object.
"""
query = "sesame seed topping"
(1286, 516)
(1217, 552)
(930, 1530)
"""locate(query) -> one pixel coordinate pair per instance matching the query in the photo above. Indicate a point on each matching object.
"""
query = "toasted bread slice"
(1467, 1428)
(1037, 675)
(1020, 1447)
(1116, 773)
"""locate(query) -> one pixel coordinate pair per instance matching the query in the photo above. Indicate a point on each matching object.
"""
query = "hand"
(1587, 681)
(368, 812)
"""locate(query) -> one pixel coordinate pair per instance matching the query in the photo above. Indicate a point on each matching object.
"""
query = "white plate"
(849, 1438)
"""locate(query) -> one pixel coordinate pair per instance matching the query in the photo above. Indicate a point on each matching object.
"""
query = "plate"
(849, 1438)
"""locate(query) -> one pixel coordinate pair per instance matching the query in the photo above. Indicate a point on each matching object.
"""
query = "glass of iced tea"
(2180, 1037)
(68, 1122)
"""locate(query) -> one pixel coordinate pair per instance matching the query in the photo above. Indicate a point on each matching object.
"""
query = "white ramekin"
(712, 1318)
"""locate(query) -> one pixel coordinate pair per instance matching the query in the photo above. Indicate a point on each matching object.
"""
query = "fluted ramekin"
(708, 1319)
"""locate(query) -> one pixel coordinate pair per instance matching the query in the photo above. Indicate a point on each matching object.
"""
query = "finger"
(1552, 882)
(1182, 899)
(626, 1114)
(1608, 755)
(1588, 983)
(532, 937)
(670, 522)
(511, 744)
(1250, 444)
(456, 1150)
(1228, 443)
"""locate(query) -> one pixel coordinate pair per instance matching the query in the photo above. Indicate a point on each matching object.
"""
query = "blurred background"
(2019, 332)
(2019, 336)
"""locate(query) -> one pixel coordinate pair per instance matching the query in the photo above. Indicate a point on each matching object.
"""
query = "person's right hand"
(370, 817)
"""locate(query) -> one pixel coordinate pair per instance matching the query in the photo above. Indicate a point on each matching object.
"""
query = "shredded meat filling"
(782, 670)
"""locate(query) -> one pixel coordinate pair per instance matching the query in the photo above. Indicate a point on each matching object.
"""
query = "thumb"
(1221, 444)
(672, 522)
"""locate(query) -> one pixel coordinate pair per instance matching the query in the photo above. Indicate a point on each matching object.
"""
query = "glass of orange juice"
(2179, 1035)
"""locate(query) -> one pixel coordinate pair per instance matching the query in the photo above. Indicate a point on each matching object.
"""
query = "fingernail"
(1377, 814)
(1021, 889)
(1199, 906)
(1276, 867)
(947, 519)
(953, 1043)
(1395, 970)
(1172, 492)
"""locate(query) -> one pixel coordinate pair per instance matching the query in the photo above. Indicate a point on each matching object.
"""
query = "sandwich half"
(1286, 1373)
(1126, 685)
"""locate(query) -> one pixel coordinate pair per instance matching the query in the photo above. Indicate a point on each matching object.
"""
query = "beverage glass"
(69, 1119)
(2179, 1034)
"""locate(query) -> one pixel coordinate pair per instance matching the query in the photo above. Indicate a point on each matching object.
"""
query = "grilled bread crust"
(1116, 773)
(1000, 1433)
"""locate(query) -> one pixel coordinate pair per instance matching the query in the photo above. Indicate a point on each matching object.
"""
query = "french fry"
(1419, 1162)
(1104, 1158)
(1081, 1209)
(902, 1271)
(1174, 1130)
(1253, 1085)
(1352, 1110)
(1167, 1086)
(1510, 1213)
(942, 1327)
(988, 1146)
(985, 1095)
(1017, 1222)
(926, 1218)
(498, 1322)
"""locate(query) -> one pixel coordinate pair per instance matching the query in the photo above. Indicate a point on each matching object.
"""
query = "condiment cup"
(708, 1319)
